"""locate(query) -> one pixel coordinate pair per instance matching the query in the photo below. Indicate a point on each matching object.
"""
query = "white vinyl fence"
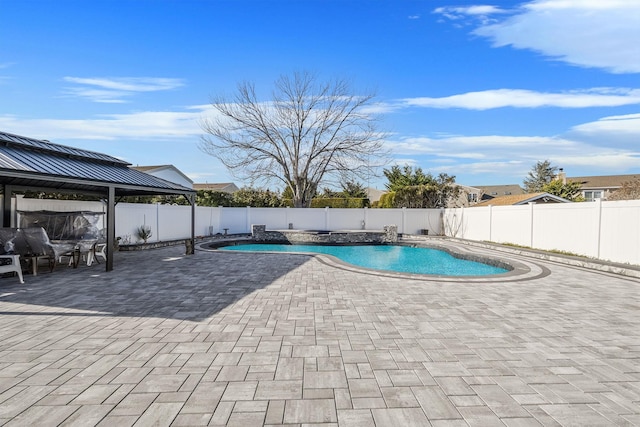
(604, 230)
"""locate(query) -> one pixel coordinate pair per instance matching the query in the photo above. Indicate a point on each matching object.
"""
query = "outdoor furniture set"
(32, 244)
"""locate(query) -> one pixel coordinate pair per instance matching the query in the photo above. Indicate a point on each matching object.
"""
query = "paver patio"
(251, 339)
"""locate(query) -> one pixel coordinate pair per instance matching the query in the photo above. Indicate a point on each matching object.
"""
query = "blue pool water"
(404, 259)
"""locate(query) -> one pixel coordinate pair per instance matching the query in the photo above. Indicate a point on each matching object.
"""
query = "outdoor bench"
(32, 244)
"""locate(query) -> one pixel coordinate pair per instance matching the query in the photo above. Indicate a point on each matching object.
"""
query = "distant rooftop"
(522, 199)
(604, 181)
(227, 187)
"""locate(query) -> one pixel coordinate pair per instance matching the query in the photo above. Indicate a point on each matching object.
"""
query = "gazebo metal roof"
(34, 164)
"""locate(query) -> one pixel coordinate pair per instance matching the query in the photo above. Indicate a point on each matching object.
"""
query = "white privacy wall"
(604, 230)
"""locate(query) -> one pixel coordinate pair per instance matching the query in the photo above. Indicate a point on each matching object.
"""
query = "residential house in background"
(468, 196)
(167, 172)
(598, 187)
(373, 194)
(479, 193)
(522, 199)
(226, 187)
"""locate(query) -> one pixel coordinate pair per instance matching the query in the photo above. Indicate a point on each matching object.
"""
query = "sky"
(478, 90)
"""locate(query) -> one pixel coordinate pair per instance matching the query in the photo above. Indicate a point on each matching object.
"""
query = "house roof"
(373, 194)
(32, 163)
(606, 181)
(160, 168)
(228, 187)
(522, 199)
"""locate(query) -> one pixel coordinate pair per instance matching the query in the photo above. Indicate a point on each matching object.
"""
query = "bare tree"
(630, 190)
(309, 132)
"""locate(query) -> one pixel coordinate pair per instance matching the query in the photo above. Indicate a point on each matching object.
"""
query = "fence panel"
(207, 221)
(468, 223)
(417, 220)
(273, 218)
(620, 231)
(173, 222)
(307, 218)
(130, 216)
(511, 224)
(570, 227)
(234, 219)
(378, 218)
(346, 219)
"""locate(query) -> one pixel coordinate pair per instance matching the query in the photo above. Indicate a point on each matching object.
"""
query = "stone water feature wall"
(388, 235)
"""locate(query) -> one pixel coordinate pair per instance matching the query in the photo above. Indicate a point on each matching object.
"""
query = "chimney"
(562, 176)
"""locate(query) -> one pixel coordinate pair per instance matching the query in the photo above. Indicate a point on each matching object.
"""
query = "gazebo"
(28, 164)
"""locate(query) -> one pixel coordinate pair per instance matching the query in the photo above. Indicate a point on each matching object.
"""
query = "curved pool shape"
(403, 259)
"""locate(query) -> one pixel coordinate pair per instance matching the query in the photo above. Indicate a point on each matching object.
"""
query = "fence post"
(531, 204)
(599, 231)
(286, 217)
(158, 222)
(365, 217)
(326, 218)
(249, 218)
(490, 222)
(404, 218)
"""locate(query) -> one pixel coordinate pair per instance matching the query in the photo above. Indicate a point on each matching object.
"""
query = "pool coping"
(519, 269)
(628, 270)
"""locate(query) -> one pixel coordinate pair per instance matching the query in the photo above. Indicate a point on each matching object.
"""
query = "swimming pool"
(403, 259)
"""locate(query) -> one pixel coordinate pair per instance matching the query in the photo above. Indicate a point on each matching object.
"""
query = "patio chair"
(99, 250)
(13, 266)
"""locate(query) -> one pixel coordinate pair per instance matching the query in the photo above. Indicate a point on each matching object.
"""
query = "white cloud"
(479, 147)
(588, 33)
(116, 89)
(605, 146)
(521, 98)
(148, 125)
(380, 108)
(462, 11)
(129, 84)
(626, 124)
(481, 13)
(614, 161)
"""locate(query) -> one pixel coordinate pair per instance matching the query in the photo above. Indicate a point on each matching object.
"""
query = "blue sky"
(479, 90)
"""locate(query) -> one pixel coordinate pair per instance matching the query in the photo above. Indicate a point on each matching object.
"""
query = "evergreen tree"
(570, 190)
(541, 174)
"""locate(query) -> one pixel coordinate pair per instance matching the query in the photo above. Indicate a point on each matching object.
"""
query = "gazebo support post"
(7, 191)
(192, 199)
(111, 227)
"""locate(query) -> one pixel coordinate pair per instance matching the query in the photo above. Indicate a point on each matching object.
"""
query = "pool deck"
(243, 339)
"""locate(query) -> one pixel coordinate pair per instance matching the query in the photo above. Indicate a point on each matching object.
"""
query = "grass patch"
(553, 251)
